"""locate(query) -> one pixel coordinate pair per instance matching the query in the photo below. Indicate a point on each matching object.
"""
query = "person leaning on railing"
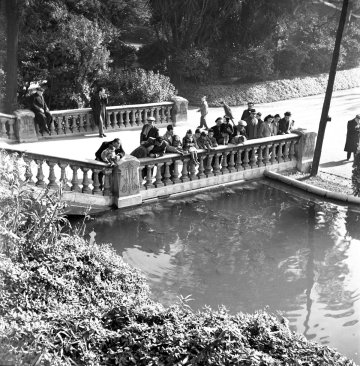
(43, 117)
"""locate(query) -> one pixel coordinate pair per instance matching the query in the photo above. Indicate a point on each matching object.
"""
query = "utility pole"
(329, 90)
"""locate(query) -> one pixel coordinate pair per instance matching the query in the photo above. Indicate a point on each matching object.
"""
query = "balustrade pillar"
(28, 172)
(66, 125)
(86, 181)
(292, 150)
(246, 159)
(107, 181)
(216, 166)
(75, 181)
(260, 157)
(253, 157)
(286, 151)
(201, 174)
(238, 162)
(52, 177)
(158, 179)
(40, 174)
(279, 154)
(192, 168)
(133, 119)
(175, 175)
(121, 119)
(273, 154)
(148, 183)
(127, 119)
(224, 163)
(167, 174)
(63, 177)
(208, 165)
(96, 182)
(266, 155)
(184, 173)
(231, 164)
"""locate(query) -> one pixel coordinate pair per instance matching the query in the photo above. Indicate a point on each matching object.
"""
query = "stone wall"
(269, 91)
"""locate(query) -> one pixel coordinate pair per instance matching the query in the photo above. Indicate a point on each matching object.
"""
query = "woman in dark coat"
(352, 136)
(98, 104)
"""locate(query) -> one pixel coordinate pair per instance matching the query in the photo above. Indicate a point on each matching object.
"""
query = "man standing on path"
(247, 112)
(98, 104)
(42, 115)
(352, 136)
(204, 110)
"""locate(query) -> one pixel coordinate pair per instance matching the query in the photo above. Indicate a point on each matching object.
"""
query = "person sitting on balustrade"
(211, 138)
(169, 134)
(203, 142)
(176, 146)
(149, 130)
(43, 117)
(119, 151)
(159, 147)
(217, 129)
(190, 146)
(109, 156)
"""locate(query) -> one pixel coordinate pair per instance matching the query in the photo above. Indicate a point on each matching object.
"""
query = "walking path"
(305, 111)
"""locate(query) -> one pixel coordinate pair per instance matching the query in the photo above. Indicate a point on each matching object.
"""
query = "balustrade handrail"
(110, 108)
(223, 148)
(3, 115)
(86, 163)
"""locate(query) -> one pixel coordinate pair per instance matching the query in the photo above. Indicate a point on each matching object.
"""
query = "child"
(203, 142)
(109, 156)
(189, 145)
(212, 139)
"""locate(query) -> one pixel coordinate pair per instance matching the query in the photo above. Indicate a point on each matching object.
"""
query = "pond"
(250, 247)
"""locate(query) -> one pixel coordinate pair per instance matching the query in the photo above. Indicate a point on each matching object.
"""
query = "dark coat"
(252, 127)
(352, 136)
(217, 132)
(284, 126)
(246, 114)
(227, 128)
(98, 105)
(42, 118)
(120, 151)
(153, 132)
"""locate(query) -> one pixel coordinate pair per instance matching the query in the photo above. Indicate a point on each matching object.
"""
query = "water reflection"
(250, 247)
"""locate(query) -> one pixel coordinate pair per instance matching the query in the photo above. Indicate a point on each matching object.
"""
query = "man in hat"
(42, 114)
(352, 136)
(227, 130)
(217, 129)
(246, 112)
(285, 125)
(252, 125)
(204, 110)
(149, 130)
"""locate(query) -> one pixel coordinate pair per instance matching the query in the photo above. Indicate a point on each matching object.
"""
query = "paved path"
(305, 111)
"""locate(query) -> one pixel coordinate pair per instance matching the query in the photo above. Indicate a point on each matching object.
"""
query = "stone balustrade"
(20, 127)
(7, 127)
(134, 181)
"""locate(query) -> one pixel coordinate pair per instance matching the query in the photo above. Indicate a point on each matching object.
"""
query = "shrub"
(154, 56)
(137, 86)
(66, 301)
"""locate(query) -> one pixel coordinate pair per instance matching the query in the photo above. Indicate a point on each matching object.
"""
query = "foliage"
(67, 301)
(154, 56)
(137, 86)
(356, 175)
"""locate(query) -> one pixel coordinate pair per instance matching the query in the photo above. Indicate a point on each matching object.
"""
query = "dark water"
(250, 248)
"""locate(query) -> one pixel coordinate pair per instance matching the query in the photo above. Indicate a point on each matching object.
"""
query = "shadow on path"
(330, 164)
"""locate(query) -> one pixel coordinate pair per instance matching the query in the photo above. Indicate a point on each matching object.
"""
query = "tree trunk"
(12, 33)
(329, 90)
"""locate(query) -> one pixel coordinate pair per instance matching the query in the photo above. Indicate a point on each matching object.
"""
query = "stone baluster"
(253, 157)
(162, 115)
(141, 180)
(81, 122)
(216, 167)
(52, 177)
(138, 117)
(224, 163)
(127, 118)
(273, 154)
(96, 182)
(75, 180)
(107, 181)
(133, 118)
(108, 124)
(167, 175)
(88, 125)
(148, 183)
(145, 116)
(279, 154)
(260, 156)
(238, 163)
(158, 178)
(201, 169)
(192, 170)
(66, 125)
(12, 135)
(292, 150)
(157, 115)
(246, 159)
(86, 181)
(266, 155)
(175, 175)
(28, 172)
(231, 163)
(168, 114)
(184, 173)
(121, 119)
(286, 151)
(152, 112)
(3, 129)
(208, 166)
(40, 174)
(52, 126)
(63, 177)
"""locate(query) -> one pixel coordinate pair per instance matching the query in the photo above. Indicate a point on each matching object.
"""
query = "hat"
(203, 133)
(242, 123)
(277, 115)
(217, 119)
(250, 102)
(211, 130)
(226, 117)
(287, 114)
(253, 110)
(197, 130)
(258, 113)
(189, 131)
(151, 119)
(169, 127)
